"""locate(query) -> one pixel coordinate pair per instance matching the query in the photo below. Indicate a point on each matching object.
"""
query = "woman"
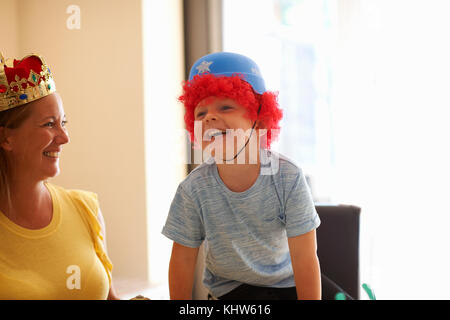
(51, 239)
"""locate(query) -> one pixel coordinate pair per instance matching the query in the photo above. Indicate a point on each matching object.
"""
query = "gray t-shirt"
(246, 232)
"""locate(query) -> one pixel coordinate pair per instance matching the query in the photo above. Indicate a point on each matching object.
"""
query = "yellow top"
(64, 260)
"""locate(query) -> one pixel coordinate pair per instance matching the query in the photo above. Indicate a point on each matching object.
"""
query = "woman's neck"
(30, 204)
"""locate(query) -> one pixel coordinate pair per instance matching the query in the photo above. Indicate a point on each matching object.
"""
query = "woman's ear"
(5, 142)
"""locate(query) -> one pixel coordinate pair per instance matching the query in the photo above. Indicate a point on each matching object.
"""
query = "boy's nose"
(210, 117)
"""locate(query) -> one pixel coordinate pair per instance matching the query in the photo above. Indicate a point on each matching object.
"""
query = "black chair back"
(338, 245)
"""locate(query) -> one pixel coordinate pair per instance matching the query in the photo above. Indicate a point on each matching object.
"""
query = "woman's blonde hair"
(9, 119)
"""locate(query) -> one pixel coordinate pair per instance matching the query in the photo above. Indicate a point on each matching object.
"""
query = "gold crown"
(24, 81)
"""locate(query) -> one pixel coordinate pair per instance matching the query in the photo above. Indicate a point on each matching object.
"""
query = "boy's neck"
(239, 177)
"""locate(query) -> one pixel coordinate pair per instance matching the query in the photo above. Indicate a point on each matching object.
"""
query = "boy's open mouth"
(214, 133)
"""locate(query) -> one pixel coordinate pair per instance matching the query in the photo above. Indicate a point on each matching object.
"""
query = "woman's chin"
(51, 173)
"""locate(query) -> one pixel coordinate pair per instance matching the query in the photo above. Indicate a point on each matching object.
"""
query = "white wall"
(166, 155)
(9, 21)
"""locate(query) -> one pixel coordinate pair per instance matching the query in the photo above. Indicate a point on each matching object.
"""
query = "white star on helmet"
(204, 66)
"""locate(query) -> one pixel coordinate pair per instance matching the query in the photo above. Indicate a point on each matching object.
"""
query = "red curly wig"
(234, 87)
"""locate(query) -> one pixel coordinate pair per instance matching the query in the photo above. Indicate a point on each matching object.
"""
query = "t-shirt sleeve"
(301, 215)
(183, 224)
(87, 204)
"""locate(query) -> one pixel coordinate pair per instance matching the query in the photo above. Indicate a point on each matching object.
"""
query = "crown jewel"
(24, 81)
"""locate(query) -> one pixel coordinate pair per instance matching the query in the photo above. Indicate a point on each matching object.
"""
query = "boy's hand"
(303, 250)
(181, 271)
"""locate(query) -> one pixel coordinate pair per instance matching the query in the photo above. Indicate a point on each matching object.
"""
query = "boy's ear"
(260, 124)
(5, 142)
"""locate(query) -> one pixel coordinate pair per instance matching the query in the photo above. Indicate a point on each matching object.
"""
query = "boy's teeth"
(51, 154)
(216, 133)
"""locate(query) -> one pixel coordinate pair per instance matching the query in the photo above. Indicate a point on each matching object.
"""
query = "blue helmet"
(228, 64)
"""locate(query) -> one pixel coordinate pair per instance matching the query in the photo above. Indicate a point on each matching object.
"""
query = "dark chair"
(338, 246)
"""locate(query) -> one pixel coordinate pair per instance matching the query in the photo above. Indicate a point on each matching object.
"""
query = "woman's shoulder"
(88, 197)
(73, 192)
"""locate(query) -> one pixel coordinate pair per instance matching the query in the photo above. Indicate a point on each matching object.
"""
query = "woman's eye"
(52, 124)
(226, 107)
(200, 114)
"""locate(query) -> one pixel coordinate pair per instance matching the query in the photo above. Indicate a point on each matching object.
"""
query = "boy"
(257, 217)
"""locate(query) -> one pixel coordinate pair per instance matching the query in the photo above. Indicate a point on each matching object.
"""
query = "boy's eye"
(200, 114)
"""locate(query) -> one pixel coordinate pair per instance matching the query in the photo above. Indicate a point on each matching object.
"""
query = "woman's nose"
(63, 136)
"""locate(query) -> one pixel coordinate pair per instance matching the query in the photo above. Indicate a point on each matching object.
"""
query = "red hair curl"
(209, 85)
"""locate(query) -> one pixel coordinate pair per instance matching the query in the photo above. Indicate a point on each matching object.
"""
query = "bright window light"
(364, 87)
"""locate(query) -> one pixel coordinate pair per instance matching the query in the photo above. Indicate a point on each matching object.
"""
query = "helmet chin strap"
(250, 136)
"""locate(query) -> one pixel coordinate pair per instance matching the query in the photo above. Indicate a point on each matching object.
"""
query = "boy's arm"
(181, 271)
(303, 250)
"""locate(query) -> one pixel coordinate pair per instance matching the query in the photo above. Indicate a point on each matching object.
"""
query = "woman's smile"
(51, 154)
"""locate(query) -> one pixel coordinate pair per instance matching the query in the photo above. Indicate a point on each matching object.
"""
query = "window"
(291, 41)
(364, 86)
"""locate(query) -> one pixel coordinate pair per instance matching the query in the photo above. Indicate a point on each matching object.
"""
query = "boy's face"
(223, 122)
